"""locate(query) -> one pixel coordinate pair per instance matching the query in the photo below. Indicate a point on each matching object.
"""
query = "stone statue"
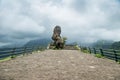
(58, 42)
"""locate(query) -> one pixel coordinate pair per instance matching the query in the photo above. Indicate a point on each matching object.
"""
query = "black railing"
(10, 52)
(108, 53)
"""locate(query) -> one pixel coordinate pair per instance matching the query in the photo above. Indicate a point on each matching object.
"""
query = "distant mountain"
(13, 45)
(38, 42)
(106, 44)
(116, 45)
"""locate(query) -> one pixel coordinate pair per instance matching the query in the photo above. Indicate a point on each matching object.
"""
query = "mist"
(84, 21)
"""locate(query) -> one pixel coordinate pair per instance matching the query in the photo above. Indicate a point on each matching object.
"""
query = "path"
(59, 65)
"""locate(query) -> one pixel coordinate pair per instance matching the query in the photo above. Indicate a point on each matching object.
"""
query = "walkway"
(59, 65)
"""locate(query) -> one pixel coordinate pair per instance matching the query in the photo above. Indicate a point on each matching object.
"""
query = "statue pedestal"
(66, 47)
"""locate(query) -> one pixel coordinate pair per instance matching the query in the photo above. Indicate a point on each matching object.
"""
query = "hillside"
(38, 42)
(105, 44)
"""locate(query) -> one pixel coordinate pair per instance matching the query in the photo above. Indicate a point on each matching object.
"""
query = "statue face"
(57, 30)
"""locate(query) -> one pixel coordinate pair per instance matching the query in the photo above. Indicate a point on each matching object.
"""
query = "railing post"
(13, 51)
(116, 59)
(94, 50)
(38, 48)
(101, 51)
(32, 48)
(24, 51)
(89, 50)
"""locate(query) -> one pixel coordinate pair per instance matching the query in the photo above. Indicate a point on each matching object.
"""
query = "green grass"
(77, 47)
(13, 56)
(8, 58)
(85, 51)
(5, 59)
(118, 62)
(99, 55)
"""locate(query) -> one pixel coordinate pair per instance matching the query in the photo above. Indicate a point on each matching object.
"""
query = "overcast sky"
(80, 20)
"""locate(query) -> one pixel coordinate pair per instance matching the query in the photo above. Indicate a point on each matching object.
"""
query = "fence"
(6, 52)
(108, 53)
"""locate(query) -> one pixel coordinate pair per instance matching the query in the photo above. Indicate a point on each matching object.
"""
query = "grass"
(5, 59)
(77, 47)
(85, 51)
(8, 58)
(118, 62)
(13, 56)
(99, 55)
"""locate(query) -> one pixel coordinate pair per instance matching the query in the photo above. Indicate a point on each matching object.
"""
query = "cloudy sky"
(80, 20)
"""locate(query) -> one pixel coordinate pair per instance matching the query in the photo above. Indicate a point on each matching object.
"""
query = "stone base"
(66, 47)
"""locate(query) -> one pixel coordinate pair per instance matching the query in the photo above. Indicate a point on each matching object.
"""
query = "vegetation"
(98, 55)
(13, 56)
(105, 44)
(5, 59)
(42, 48)
(118, 62)
(64, 40)
(85, 50)
(116, 45)
(77, 47)
(52, 45)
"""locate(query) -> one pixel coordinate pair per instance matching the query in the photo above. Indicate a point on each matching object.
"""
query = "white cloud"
(87, 20)
(13, 21)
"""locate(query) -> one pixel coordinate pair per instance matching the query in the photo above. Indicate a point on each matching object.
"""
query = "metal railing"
(10, 52)
(108, 53)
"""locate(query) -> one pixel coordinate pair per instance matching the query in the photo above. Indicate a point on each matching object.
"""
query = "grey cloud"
(80, 5)
(107, 10)
(81, 20)
(16, 24)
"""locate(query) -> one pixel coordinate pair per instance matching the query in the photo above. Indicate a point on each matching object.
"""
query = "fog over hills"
(82, 21)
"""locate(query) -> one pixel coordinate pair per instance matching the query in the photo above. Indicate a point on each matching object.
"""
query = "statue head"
(57, 30)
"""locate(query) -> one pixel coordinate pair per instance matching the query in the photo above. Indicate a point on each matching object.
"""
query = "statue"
(58, 41)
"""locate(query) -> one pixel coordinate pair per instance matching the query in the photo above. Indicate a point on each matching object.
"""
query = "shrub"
(13, 56)
(77, 47)
(5, 59)
(64, 40)
(85, 51)
(98, 55)
(118, 62)
(84, 48)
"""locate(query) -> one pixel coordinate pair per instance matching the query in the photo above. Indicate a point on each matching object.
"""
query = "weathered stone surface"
(58, 41)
